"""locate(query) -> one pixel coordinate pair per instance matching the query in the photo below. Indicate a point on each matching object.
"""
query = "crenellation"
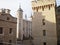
(43, 7)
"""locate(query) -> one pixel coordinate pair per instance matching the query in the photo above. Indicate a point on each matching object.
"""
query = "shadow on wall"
(44, 29)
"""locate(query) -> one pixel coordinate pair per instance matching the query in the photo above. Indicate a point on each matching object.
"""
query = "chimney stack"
(7, 11)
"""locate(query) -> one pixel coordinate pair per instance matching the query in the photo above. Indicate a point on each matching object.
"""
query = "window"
(8, 18)
(10, 41)
(10, 31)
(1, 30)
(43, 21)
(44, 32)
(44, 43)
(1, 42)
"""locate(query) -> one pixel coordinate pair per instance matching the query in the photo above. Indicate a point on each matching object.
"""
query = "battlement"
(40, 5)
(42, 2)
(7, 11)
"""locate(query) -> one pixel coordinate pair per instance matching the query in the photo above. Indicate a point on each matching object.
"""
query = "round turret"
(19, 13)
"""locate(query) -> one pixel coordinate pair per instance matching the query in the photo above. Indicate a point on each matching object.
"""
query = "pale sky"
(13, 5)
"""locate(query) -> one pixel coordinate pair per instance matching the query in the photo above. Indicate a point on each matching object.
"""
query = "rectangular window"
(10, 41)
(1, 42)
(43, 21)
(44, 43)
(1, 30)
(44, 32)
(10, 31)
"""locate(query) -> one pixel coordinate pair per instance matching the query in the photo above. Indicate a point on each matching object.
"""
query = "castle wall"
(44, 23)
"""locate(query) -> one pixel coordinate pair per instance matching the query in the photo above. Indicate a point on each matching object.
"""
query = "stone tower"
(20, 23)
(44, 22)
(39, 5)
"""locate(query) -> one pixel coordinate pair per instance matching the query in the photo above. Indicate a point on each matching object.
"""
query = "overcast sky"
(13, 5)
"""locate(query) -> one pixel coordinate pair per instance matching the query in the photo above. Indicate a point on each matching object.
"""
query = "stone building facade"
(58, 24)
(7, 28)
(11, 27)
(44, 22)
